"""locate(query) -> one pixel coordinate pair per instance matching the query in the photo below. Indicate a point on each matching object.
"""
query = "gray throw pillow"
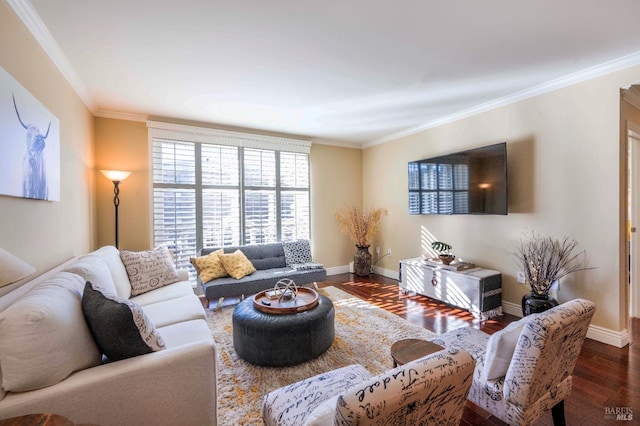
(120, 327)
(296, 252)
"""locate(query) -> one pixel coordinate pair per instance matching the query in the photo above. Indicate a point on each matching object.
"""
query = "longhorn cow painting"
(29, 144)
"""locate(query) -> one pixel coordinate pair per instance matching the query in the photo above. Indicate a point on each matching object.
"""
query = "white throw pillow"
(111, 257)
(44, 337)
(95, 270)
(500, 348)
(149, 269)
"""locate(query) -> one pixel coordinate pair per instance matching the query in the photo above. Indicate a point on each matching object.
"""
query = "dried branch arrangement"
(546, 259)
(360, 225)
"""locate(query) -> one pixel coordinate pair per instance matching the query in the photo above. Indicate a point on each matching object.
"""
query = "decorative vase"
(362, 261)
(446, 258)
(533, 303)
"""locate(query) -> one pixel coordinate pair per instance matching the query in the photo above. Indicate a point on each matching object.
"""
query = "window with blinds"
(209, 194)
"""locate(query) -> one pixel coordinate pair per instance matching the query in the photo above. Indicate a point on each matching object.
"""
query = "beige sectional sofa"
(50, 361)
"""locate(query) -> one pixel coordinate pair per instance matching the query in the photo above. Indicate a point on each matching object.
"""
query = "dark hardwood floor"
(604, 377)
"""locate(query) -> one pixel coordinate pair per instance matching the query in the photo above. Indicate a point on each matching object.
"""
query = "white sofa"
(50, 363)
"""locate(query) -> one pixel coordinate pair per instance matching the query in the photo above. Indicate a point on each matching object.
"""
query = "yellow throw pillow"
(209, 267)
(237, 264)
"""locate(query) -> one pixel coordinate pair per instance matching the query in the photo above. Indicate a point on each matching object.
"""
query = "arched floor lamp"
(116, 176)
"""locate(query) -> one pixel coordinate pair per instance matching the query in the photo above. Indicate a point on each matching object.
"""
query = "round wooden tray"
(307, 299)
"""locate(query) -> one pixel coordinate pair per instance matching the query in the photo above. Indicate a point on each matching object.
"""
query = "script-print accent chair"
(430, 390)
(526, 368)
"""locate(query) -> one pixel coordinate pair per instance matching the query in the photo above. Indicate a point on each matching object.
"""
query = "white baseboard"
(338, 270)
(376, 270)
(394, 275)
(619, 339)
(512, 308)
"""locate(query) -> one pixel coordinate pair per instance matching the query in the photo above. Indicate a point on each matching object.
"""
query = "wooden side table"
(407, 350)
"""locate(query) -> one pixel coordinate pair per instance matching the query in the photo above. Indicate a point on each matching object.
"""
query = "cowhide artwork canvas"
(29, 144)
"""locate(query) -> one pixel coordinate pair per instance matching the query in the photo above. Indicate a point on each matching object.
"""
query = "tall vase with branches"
(544, 260)
(361, 226)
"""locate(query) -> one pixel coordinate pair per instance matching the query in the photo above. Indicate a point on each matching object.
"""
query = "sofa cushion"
(185, 333)
(120, 327)
(149, 269)
(172, 311)
(44, 337)
(111, 257)
(260, 280)
(262, 256)
(500, 348)
(209, 267)
(94, 269)
(237, 265)
(172, 291)
(297, 252)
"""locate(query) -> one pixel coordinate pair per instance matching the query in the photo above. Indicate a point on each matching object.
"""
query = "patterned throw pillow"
(119, 326)
(237, 265)
(149, 269)
(297, 252)
(209, 267)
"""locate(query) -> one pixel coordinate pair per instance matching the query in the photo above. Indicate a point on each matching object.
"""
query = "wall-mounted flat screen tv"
(467, 182)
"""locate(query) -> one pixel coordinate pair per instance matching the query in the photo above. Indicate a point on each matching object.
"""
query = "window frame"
(175, 133)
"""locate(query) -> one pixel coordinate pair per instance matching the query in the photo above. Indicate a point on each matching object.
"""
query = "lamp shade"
(116, 175)
(13, 269)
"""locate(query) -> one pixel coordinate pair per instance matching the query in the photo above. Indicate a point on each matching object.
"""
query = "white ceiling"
(352, 71)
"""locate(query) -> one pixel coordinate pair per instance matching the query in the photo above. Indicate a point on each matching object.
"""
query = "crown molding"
(559, 83)
(117, 115)
(342, 144)
(30, 18)
(182, 132)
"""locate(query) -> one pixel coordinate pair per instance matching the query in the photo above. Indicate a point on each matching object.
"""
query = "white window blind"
(217, 188)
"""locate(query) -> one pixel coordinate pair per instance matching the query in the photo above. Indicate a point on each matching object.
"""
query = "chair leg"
(219, 305)
(557, 412)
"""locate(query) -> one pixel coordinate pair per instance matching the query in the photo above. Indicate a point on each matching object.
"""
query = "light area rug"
(364, 334)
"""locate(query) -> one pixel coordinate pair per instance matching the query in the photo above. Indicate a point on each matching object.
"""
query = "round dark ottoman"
(277, 340)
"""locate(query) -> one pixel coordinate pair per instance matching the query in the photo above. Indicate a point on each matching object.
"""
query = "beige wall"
(336, 180)
(563, 167)
(122, 145)
(46, 233)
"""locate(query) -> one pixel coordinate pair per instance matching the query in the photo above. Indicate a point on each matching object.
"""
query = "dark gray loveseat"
(271, 266)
